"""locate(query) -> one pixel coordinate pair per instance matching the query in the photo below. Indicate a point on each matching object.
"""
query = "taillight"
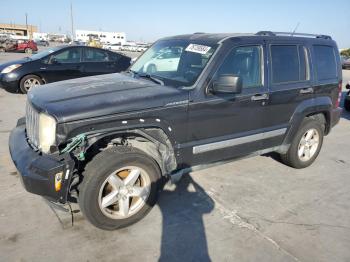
(337, 103)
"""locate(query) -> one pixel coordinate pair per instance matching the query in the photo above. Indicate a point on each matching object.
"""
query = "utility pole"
(27, 23)
(71, 19)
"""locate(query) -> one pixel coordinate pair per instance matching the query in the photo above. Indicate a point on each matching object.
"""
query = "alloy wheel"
(308, 145)
(124, 192)
(31, 82)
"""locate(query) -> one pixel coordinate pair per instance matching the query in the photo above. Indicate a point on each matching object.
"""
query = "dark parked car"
(60, 63)
(42, 43)
(107, 141)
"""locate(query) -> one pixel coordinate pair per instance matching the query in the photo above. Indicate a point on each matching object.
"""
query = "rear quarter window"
(285, 63)
(325, 62)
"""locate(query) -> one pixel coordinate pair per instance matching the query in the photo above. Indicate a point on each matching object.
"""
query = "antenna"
(71, 20)
(295, 29)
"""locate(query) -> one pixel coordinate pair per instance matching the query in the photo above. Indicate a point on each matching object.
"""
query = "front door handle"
(308, 90)
(259, 97)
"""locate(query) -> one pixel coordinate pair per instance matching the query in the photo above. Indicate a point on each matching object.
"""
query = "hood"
(20, 61)
(101, 95)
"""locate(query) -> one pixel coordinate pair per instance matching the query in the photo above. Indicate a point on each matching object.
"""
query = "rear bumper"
(335, 116)
(37, 170)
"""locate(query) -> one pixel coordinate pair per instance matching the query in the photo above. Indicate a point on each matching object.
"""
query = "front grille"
(32, 125)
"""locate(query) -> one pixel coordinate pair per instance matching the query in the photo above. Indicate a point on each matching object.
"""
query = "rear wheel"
(28, 82)
(119, 187)
(306, 145)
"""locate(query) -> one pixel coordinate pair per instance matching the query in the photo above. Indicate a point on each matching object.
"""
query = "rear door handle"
(308, 90)
(259, 97)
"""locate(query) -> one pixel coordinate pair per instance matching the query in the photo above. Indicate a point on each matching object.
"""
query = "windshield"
(45, 53)
(175, 62)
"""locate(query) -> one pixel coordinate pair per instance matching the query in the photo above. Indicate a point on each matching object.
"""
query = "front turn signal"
(58, 181)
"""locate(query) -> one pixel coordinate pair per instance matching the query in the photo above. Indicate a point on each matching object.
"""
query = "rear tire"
(104, 196)
(306, 144)
(28, 82)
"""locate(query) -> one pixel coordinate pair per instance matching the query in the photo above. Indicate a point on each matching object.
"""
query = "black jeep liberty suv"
(106, 141)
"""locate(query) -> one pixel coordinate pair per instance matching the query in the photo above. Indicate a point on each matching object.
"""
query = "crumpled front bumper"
(37, 170)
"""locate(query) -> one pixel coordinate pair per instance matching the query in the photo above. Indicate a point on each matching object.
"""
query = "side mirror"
(229, 84)
(347, 85)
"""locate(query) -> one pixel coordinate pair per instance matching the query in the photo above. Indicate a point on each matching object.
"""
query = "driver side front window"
(72, 55)
(245, 62)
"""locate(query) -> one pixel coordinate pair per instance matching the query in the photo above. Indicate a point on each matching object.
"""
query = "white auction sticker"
(201, 49)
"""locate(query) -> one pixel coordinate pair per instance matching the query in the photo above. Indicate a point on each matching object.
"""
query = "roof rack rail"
(270, 33)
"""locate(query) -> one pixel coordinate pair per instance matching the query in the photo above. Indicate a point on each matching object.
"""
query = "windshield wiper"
(148, 76)
(154, 79)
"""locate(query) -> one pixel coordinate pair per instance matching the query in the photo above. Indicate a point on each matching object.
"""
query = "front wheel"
(119, 187)
(306, 144)
(28, 82)
(28, 51)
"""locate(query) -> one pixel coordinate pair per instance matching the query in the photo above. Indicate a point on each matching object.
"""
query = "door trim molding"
(237, 141)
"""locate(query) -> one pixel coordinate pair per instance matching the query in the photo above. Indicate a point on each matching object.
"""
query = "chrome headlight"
(47, 132)
(10, 68)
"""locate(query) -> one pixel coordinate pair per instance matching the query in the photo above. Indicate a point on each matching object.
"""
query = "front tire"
(119, 187)
(29, 81)
(306, 144)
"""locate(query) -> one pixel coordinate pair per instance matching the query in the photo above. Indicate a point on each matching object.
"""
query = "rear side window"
(95, 55)
(114, 57)
(285, 63)
(325, 64)
(71, 55)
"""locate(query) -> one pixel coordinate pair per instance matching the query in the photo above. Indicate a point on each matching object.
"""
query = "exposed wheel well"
(323, 118)
(152, 141)
(42, 79)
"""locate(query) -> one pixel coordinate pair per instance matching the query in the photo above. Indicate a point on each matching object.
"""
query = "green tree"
(345, 52)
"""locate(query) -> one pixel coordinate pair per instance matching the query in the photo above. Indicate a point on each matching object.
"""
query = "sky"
(150, 20)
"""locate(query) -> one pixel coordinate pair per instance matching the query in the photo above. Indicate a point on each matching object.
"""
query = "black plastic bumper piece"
(37, 170)
(335, 116)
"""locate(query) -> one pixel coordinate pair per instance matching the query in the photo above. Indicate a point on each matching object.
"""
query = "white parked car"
(128, 47)
(141, 48)
(167, 61)
(115, 47)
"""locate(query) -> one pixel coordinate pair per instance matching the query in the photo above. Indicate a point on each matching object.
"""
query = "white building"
(104, 37)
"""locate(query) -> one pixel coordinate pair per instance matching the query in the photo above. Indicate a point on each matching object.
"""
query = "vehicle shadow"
(183, 232)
